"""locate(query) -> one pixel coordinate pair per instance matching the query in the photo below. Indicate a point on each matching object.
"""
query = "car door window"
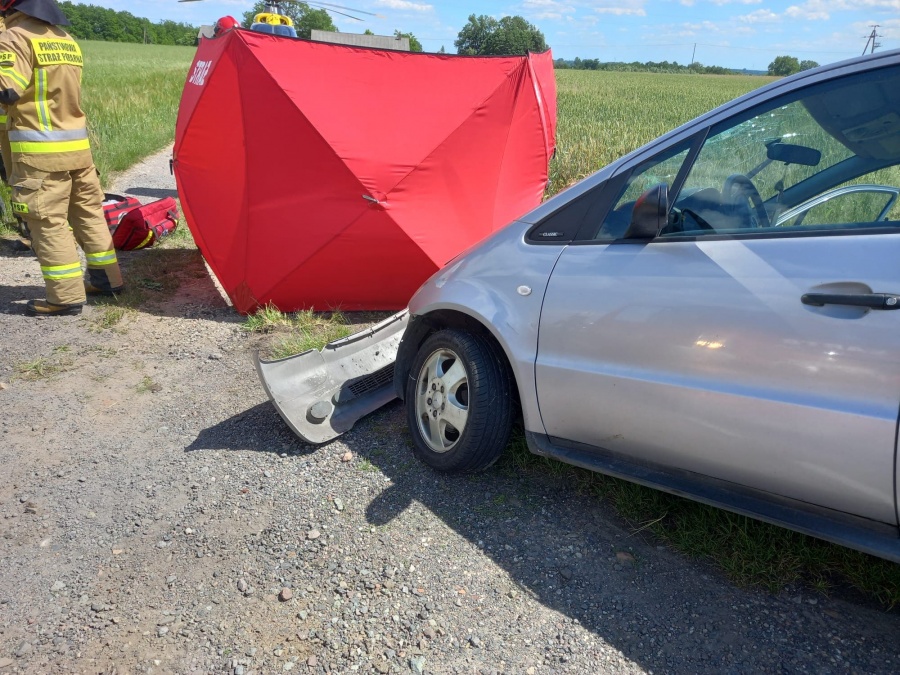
(752, 170)
(661, 169)
(846, 204)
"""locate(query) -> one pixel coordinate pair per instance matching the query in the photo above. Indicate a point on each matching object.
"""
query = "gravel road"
(159, 517)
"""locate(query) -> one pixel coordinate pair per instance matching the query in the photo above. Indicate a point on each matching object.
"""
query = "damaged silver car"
(711, 315)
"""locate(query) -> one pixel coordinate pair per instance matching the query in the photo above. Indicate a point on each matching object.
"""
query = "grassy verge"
(748, 551)
(298, 332)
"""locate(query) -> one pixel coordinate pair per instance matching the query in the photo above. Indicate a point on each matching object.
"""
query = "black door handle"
(870, 300)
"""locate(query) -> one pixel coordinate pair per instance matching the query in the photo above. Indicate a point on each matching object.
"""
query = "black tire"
(486, 400)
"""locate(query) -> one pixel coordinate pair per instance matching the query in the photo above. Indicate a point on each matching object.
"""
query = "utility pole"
(870, 39)
(694, 53)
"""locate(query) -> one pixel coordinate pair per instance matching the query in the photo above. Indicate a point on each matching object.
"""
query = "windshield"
(743, 149)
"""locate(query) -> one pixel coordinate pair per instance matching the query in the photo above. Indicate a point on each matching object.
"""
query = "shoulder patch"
(7, 59)
(56, 52)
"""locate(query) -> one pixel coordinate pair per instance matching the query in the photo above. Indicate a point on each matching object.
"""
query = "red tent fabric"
(323, 176)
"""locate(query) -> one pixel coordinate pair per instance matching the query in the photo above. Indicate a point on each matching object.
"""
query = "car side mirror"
(649, 214)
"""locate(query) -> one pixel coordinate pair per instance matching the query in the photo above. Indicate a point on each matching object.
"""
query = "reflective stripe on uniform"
(40, 99)
(3, 119)
(60, 135)
(19, 207)
(17, 77)
(69, 271)
(49, 146)
(100, 259)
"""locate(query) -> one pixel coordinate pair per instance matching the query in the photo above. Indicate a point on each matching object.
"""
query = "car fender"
(500, 285)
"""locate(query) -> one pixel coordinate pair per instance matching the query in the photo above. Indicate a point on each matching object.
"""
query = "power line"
(870, 39)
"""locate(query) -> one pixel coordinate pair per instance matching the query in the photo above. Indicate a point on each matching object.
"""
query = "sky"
(731, 33)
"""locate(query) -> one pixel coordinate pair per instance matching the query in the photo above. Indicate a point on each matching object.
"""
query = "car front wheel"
(458, 402)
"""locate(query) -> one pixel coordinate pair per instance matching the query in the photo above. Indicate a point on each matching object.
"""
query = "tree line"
(636, 66)
(90, 22)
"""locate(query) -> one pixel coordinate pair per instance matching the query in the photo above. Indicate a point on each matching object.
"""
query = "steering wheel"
(738, 190)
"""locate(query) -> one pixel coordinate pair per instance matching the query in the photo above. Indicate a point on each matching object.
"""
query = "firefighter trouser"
(51, 202)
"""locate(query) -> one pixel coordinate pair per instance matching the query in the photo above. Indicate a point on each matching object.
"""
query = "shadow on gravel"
(155, 193)
(13, 298)
(11, 248)
(258, 428)
(572, 553)
(172, 282)
(558, 546)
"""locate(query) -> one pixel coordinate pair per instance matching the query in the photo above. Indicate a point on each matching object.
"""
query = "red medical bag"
(144, 225)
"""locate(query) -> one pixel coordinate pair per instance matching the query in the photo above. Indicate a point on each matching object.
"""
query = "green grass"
(45, 366)
(748, 551)
(147, 385)
(130, 95)
(109, 315)
(298, 332)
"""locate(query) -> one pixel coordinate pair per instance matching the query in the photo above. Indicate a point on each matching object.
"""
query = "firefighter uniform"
(53, 179)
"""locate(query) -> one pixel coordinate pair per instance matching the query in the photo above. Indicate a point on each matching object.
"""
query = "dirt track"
(155, 511)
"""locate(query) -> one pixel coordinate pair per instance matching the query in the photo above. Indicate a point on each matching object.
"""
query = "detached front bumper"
(321, 394)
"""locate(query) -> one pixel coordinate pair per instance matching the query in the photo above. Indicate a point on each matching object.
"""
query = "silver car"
(711, 315)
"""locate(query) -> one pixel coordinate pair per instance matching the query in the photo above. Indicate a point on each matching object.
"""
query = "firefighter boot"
(98, 283)
(44, 308)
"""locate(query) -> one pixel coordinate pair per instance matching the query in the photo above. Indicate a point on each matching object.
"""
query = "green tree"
(784, 65)
(305, 18)
(473, 36)
(484, 35)
(807, 65)
(414, 44)
(90, 22)
(514, 35)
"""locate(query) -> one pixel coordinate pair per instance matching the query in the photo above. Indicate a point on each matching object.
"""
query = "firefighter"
(53, 179)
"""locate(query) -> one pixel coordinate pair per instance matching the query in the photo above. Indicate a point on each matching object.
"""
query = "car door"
(731, 347)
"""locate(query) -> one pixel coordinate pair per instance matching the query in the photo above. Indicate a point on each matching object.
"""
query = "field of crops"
(604, 115)
(130, 95)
